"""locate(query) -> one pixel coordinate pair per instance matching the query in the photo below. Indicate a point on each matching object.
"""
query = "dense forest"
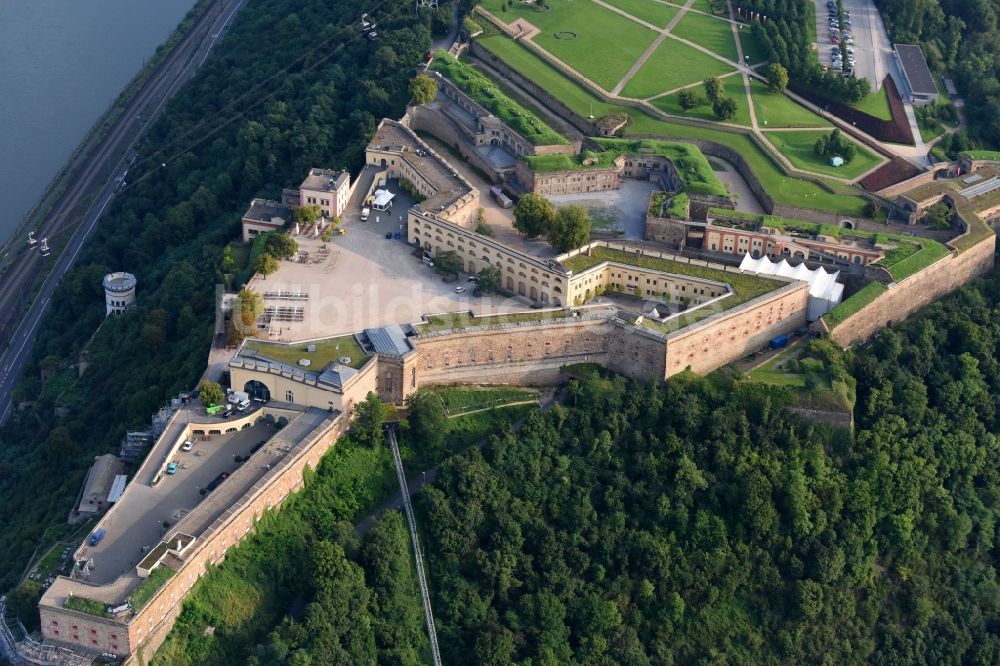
(962, 37)
(293, 85)
(697, 522)
(701, 523)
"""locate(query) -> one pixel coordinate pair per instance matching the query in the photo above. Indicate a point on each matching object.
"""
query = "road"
(97, 182)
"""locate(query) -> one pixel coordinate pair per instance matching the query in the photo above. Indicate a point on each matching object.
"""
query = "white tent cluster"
(824, 290)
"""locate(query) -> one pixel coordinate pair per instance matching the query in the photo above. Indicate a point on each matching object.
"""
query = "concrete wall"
(528, 353)
(432, 121)
(665, 230)
(902, 299)
(307, 392)
(723, 338)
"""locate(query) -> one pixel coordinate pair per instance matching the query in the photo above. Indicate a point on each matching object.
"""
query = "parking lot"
(872, 49)
(136, 523)
(365, 280)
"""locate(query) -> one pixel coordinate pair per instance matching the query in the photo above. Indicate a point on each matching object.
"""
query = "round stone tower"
(119, 292)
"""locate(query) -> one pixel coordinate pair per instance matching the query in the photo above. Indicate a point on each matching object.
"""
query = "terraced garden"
(673, 65)
(598, 43)
(798, 148)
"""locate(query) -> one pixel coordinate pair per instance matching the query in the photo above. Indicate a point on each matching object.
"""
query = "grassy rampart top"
(848, 307)
(486, 93)
(326, 352)
(691, 165)
(910, 255)
(745, 286)
(982, 154)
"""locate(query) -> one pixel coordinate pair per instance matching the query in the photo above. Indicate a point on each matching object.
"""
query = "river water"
(62, 62)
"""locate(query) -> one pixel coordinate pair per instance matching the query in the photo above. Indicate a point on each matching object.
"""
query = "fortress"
(127, 590)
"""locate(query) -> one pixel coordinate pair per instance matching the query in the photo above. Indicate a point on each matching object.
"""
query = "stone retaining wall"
(902, 299)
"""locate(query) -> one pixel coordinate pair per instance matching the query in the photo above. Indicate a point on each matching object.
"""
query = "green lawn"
(460, 399)
(151, 585)
(779, 110)
(650, 11)
(672, 65)
(734, 89)
(876, 103)
(752, 47)
(606, 43)
(784, 189)
(713, 34)
(456, 320)
(326, 352)
(798, 148)
(851, 305)
(484, 91)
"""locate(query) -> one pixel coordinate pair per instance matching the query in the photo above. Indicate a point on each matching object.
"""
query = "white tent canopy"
(824, 290)
(382, 199)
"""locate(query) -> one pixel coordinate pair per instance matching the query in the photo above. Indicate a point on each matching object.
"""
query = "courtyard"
(364, 280)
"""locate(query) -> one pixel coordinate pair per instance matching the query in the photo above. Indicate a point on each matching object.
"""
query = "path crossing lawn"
(651, 11)
(734, 89)
(876, 103)
(702, 5)
(752, 47)
(672, 65)
(779, 110)
(784, 189)
(605, 46)
(711, 33)
(798, 148)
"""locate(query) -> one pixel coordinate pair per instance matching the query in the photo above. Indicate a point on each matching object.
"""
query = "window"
(289, 396)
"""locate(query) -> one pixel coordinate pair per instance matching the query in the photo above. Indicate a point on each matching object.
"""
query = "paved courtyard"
(366, 280)
(615, 211)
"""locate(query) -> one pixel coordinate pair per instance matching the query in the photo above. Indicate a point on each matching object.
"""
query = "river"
(62, 62)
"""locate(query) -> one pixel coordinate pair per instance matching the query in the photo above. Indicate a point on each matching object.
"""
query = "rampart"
(902, 299)
(139, 635)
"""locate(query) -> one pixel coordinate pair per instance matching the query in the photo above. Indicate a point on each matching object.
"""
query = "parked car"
(171, 468)
(187, 446)
(459, 290)
(388, 235)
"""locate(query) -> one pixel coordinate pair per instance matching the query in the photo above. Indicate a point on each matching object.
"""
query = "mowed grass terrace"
(327, 351)
(783, 188)
(598, 43)
(486, 93)
(654, 12)
(745, 287)
(778, 110)
(733, 88)
(714, 34)
(673, 65)
(798, 147)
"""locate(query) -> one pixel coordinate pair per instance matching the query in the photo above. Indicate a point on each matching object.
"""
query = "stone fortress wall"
(902, 299)
(140, 635)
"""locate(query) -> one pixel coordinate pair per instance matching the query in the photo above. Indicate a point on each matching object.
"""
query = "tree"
(448, 263)
(211, 393)
(427, 419)
(423, 89)
(688, 99)
(533, 215)
(490, 280)
(724, 108)
(570, 227)
(938, 216)
(368, 419)
(714, 88)
(777, 77)
(266, 264)
(280, 245)
(307, 214)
